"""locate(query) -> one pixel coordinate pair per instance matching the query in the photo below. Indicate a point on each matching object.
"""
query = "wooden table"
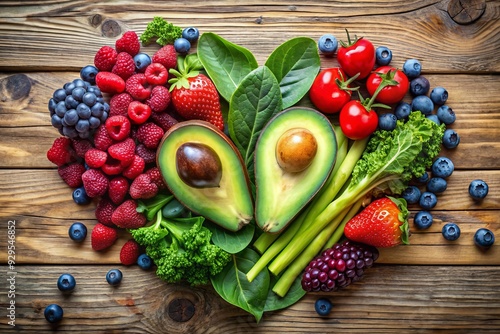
(426, 287)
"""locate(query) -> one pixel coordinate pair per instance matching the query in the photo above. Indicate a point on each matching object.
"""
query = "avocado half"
(205, 172)
(282, 191)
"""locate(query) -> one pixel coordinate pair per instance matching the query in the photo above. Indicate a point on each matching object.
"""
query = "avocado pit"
(198, 165)
(296, 149)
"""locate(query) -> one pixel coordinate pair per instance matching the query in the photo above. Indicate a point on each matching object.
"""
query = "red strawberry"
(138, 112)
(81, 146)
(156, 74)
(112, 166)
(109, 82)
(156, 177)
(164, 120)
(126, 215)
(95, 182)
(104, 210)
(123, 151)
(118, 104)
(129, 253)
(124, 66)
(103, 237)
(160, 99)
(105, 58)
(138, 87)
(102, 140)
(149, 134)
(194, 96)
(149, 156)
(135, 168)
(95, 158)
(118, 189)
(118, 127)
(128, 43)
(166, 56)
(60, 152)
(143, 187)
(383, 223)
(72, 174)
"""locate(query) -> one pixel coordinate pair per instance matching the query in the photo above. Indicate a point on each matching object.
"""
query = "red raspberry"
(138, 87)
(105, 58)
(160, 99)
(104, 210)
(60, 152)
(143, 187)
(128, 43)
(118, 189)
(123, 151)
(126, 215)
(156, 177)
(149, 134)
(166, 56)
(118, 104)
(156, 74)
(112, 166)
(95, 158)
(135, 168)
(125, 66)
(81, 146)
(103, 237)
(118, 127)
(164, 120)
(149, 156)
(109, 82)
(95, 182)
(72, 174)
(138, 112)
(102, 140)
(129, 252)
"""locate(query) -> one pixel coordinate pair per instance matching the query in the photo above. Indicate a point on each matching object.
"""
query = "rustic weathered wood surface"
(426, 287)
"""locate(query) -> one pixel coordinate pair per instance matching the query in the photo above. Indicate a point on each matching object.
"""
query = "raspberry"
(109, 82)
(81, 146)
(95, 182)
(138, 112)
(164, 120)
(149, 156)
(112, 166)
(135, 168)
(149, 134)
(118, 127)
(138, 87)
(129, 252)
(123, 151)
(95, 158)
(156, 177)
(105, 58)
(156, 74)
(339, 266)
(143, 187)
(60, 152)
(72, 174)
(102, 140)
(126, 215)
(128, 43)
(125, 66)
(118, 189)
(118, 104)
(166, 56)
(104, 210)
(159, 99)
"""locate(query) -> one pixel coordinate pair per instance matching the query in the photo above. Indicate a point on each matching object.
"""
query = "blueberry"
(144, 262)
(327, 44)
(77, 232)
(66, 282)
(53, 313)
(114, 277)
(423, 104)
(182, 45)
(411, 194)
(68, 87)
(424, 178)
(79, 83)
(142, 60)
(383, 55)
(95, 90)
(434, 118)
(437, 185)
(439, 95)
(451, 231)
(70, 101)
(423, 220)
(78, 93)
(80, 196)
(52, 106)
(451, 139)
(402, 110)
(191, 34)
(94, 122)
(71, 117)
(88, 74)
(419, 86)
(97, 110)
(387, 121)
(427, 200)
(83, 111)
(89, 98)
(442, 167)
(82, 126)
(446, 114)
(60, 109)
(478, 189)
(484, 238)
(69, 132)
(59, 95)
(412, 68)
(323, 306)
(56, 121)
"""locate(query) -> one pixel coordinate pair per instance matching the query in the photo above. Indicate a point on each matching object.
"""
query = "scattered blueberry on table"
(451, 231)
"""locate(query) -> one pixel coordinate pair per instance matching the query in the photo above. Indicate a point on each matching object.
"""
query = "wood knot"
(259, 20)
(95, 20)
(15, 87)
(181, 309)
(466, 11)
(111, 28)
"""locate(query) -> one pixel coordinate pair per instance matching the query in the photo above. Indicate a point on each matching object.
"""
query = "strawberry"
(104, 210)
(72, 174)
(118, 189)
(118, 127)
(383, 223)
(60, 152)
(149, 156)
(128, 43)
(164, 120)
(124, 66)
(129, 252)
(138, 112)
(166, 56)
(109, 82)
(138, 87)
(194, 96)
(95, 158)
(95, 182)
(156, 74)
(150, 135)
(102, 237)
(118, 104)
(123, 151)
(102, 140)
(143, 187)
(105, 58)
(135, 168)
(160, 99)
(126, 215)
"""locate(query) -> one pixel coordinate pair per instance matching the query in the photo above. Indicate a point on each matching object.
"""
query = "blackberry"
(338, 266)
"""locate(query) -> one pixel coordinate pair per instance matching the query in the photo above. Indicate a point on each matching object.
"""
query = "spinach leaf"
(231, 242)
(256, 100)
(225, 63)
(232, 284)
(295, 64)
(275, 302)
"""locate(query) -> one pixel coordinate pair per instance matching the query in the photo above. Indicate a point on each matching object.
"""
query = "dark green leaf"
(231, 242)
(275, 302)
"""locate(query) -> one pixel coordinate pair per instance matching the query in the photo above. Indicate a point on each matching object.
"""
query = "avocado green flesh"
(229, 205)
(281, 195)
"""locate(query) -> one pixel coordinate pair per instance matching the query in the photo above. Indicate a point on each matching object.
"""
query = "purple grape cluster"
(339, 266)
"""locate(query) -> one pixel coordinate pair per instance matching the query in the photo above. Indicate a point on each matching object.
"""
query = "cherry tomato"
(390, 94)
(356, 56)
(356, 121)
(329, 91)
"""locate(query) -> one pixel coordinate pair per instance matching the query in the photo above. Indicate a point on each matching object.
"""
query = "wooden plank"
(390, 299)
